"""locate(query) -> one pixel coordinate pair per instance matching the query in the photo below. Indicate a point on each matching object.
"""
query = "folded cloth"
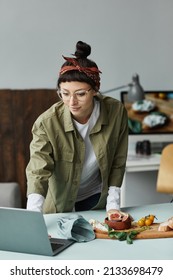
(74, 226)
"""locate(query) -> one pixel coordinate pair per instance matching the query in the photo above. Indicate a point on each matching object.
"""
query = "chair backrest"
(10, 195)
(165, 174)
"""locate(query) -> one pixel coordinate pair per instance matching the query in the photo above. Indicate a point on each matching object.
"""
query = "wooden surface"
(162, 105)
(147, 234)
(165, 174)
(18, 111)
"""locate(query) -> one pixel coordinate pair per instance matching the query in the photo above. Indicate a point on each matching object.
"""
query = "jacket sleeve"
(119, 161)
(41, 164)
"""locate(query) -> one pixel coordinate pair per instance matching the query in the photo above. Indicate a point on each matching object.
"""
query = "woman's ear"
(94, 92)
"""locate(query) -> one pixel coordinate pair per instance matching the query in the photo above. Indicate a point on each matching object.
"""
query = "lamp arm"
(117, 88)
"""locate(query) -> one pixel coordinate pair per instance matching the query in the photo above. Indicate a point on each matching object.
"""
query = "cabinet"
(18, 111)
(139, 184)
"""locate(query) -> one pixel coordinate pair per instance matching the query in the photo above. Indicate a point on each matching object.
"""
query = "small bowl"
(119, 225)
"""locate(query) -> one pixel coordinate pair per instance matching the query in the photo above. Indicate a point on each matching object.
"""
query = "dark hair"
(83, 50)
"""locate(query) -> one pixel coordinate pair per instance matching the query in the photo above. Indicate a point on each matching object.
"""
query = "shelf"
(142, 162)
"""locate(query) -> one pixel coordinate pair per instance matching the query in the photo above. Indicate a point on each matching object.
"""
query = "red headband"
(91, 72)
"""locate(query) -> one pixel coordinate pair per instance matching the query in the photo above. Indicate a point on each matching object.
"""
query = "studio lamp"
(135, 92)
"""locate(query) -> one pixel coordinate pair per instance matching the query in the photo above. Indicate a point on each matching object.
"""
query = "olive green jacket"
(57, 154)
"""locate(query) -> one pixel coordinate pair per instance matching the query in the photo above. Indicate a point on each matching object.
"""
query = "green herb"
(130, 236)
(121, 235)
(125, 235)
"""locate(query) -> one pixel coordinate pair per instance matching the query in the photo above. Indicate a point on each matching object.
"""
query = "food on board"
(167, 225)
(146, 221)
(118, 220)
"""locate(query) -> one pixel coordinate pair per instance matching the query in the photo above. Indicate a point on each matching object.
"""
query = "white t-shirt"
(90, 177)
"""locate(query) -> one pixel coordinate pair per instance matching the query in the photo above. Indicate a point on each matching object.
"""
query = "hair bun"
(83, 50)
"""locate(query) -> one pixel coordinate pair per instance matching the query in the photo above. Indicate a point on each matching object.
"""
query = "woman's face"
(78, 96)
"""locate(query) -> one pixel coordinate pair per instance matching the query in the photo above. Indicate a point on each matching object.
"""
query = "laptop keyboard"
(55, 246)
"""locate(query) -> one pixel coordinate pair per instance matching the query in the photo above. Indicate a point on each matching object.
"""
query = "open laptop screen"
(25, 232)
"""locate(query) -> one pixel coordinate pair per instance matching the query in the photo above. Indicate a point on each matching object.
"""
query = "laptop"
(25, 231)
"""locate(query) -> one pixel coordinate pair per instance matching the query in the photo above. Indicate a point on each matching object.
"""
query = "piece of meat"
(170, 222)
(164, 226)
(114, 215)
(118, 220)
(167, 225)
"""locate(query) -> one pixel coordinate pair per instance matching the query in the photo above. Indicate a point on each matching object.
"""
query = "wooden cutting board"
(150, 233)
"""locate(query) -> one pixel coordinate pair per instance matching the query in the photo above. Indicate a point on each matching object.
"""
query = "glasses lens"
(80, 95)
(65, 95)
(59, 94)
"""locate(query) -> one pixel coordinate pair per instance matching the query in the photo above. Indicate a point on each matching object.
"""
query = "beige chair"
(165, 174)
(10, 195)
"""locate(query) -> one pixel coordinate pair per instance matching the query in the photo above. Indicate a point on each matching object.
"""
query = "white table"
(137, 163)
(139, 184)
(104, 249)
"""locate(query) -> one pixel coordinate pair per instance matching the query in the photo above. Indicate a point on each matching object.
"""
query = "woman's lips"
(74, 108)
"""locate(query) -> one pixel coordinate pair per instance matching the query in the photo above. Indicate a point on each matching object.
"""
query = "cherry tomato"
(148, 222)
(152, 217)
(141, 222)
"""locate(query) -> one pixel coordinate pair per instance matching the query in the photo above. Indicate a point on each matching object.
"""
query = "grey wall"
(127, 36)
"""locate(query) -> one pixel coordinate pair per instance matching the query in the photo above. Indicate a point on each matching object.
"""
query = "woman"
(79, 145)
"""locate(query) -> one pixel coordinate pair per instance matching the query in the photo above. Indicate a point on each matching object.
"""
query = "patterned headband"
(91, 72)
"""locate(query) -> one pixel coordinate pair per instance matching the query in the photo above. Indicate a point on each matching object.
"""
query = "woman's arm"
(39, 168)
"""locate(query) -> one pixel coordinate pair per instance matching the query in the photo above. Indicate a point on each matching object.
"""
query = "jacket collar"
(68, 123)
(103, 118)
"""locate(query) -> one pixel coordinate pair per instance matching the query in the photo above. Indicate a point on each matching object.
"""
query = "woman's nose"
(73, 99)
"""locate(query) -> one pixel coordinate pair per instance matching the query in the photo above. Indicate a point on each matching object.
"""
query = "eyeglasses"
(79, 95)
